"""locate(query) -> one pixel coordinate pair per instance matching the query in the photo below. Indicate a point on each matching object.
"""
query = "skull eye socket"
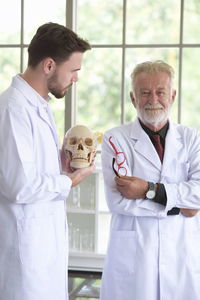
(88, 142)
(73, 141)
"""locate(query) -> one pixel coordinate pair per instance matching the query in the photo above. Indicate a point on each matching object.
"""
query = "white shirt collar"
(31, 94)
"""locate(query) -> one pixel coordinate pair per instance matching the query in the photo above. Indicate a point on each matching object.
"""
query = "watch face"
(150, 194)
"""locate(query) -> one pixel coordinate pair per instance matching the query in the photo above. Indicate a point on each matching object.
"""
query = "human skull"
(79, 146)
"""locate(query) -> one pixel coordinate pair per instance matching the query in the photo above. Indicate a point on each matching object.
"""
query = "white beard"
(153, 114)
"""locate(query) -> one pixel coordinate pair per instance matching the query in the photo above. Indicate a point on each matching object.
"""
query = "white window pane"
(191, 21)
(10, 17)
(38, 12)
(81, 232)
(102, 201)
(153, 22)
(103, 232)
(138, 55)
(9, 67)
(83, 196)
(190, 88)
(100, 20)
(99, 89)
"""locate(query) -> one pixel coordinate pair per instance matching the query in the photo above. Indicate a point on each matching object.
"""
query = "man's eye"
(145, 93)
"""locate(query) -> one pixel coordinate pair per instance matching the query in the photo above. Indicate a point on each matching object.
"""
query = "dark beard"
(57, 94)
(53, 89)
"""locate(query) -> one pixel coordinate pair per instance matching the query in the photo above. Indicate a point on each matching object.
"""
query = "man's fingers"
(86, 171)
(78, 175)
(121, 180)
(189, 212)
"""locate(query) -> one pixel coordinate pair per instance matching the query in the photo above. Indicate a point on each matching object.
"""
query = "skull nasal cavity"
(80, 147)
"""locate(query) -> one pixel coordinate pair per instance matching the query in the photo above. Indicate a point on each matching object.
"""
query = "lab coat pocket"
(37, 242)
(175, 173)
(121, 252)
(182, 170)
(193, 251)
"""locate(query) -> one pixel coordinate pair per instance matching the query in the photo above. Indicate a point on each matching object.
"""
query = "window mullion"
(123, 64)
(22, 38)
(180, 62)
(70, 98)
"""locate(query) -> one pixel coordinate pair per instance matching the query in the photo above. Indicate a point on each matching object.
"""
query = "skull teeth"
(79, 158)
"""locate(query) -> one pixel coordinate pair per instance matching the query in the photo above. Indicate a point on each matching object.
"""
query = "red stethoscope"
(120, 159)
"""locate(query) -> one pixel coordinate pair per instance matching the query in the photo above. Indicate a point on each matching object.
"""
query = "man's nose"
(75, 77)
(154, 97)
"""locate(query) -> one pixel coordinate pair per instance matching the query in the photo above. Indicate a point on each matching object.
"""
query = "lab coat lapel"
(46, 115)
(173, 146)
(143, 145)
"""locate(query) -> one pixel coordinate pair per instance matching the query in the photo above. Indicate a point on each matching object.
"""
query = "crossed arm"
(134, 188)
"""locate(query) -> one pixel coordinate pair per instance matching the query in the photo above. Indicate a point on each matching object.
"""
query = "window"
(122, 33)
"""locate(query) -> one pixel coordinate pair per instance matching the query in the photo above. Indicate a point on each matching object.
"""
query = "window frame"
(95, 261)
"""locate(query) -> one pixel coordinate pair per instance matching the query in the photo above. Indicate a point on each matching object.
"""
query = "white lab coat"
(152, 256)
(33, 230)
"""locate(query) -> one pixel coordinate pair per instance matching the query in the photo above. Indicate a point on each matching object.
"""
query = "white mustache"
(153, 106)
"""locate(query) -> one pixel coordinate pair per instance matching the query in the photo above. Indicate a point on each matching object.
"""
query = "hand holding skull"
(78, 153)
(79, 147)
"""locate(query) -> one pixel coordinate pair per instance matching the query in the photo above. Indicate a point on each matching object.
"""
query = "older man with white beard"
(151, 171)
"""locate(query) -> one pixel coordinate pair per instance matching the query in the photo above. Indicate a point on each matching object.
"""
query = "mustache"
(153, 106)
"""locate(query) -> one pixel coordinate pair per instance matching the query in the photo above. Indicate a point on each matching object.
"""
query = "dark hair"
(55, 41)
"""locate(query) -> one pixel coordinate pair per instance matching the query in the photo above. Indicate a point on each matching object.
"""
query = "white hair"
(152, 67)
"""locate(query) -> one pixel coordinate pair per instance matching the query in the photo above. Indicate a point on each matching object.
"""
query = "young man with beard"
(34, 179)
(154, 198)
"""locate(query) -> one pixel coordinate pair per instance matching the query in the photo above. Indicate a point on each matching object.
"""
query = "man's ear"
(173, 95)
(132, 98)
(49, 65)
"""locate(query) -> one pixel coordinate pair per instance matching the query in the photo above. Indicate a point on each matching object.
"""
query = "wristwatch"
(151, 191)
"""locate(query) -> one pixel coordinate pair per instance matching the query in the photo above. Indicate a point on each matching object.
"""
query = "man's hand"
(131, 187)
(64, 160)
(189, 212)
(78, 175)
